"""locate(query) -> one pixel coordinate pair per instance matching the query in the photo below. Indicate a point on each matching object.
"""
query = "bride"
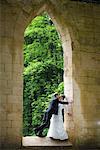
(56, 129)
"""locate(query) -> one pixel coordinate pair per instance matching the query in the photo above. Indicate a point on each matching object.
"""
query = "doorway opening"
(43, 70)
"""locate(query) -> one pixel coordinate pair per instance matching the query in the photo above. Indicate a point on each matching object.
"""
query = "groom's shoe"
(40, 135)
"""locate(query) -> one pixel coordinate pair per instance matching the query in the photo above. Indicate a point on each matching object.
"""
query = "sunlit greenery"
(43, 69)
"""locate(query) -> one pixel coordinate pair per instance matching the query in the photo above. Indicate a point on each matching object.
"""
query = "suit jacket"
(53, 107)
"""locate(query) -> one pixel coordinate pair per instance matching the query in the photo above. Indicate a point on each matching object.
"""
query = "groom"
(52, 109)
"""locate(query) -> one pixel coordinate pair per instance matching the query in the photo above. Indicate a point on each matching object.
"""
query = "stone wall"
(78, 24)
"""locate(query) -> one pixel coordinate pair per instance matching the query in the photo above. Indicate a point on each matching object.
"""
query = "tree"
(43, 69)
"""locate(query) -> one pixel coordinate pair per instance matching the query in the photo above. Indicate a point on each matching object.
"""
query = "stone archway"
(67, 48)
(82, 21)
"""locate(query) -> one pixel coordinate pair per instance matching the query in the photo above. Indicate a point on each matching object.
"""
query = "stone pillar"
(10, 93)
(86, 75)
(83, 23)
(11, 81)
(68, 81)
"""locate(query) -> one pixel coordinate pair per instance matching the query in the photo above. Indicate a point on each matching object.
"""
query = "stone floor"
(37, 141)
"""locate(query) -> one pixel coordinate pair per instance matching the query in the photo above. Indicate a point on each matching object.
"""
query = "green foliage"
(43, 71)
(60, 88)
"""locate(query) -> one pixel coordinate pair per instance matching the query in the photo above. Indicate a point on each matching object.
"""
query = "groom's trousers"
(46, 122)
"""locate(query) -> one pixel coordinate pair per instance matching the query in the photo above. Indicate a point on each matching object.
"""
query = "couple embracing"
(53, 119)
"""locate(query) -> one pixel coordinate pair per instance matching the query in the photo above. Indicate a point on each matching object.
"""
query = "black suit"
(52, 109)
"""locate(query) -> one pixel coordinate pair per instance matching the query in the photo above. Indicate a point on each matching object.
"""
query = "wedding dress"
(56, 129)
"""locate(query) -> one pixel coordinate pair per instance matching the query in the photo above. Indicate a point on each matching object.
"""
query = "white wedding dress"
(56, 129)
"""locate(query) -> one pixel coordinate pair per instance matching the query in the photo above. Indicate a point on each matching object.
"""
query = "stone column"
(86, 75)
(11, 81)
(11, 90)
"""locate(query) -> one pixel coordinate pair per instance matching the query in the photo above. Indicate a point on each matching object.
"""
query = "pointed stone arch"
(66, 44)
(78, 24)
